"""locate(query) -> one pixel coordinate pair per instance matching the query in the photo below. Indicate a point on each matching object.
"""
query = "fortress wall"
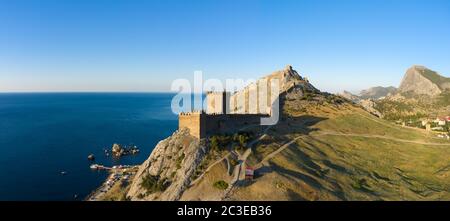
(201, 125)
(222, 123)
(217, 123)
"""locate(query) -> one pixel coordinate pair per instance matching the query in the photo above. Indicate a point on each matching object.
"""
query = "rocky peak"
(423, 81)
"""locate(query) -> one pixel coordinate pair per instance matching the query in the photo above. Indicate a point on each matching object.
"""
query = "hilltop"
(324, 147)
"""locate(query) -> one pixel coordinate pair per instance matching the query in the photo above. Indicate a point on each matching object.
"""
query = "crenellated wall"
(201, 124)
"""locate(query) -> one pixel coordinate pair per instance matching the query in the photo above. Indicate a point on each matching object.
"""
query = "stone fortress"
(227, 113)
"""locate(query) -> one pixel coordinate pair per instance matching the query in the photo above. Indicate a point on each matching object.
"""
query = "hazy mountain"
(366, 103)
(376, 92)
(349, 96)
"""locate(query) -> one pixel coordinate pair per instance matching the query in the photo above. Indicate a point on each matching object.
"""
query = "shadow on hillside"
(311, 170)
(286, 126)
(303, 125)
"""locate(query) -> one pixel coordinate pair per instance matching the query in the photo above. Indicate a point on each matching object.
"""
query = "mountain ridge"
(323, 148)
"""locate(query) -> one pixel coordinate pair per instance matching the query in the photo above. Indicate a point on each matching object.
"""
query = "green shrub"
(242, 138)
(154, 184)
(215, 145)
(220, 142)
(221, 185)
(180, 160)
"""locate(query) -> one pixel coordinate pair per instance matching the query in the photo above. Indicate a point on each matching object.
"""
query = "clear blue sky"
(111, 45)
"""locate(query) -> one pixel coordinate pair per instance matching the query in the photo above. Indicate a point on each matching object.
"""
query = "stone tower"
(217, 102)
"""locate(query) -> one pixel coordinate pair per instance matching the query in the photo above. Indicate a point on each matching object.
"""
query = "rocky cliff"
(423, 81)
(171, 165)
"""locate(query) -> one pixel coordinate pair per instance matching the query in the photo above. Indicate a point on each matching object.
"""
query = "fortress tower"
(226, 113)
(195, 122)
(218, 102)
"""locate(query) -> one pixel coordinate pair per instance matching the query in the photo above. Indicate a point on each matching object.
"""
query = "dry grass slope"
(336, 151)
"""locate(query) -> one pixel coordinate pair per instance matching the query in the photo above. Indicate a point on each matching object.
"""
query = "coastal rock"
(117, 150)
(174, 160)
(91, 157)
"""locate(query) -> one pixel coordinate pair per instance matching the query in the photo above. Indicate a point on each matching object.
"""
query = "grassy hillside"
(413, 107)
(354, 156)
(327, 150)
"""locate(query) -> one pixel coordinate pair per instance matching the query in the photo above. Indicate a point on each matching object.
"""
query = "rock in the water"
(91, 157)
(117, 150)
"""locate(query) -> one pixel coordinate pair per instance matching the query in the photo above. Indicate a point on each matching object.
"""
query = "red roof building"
(249, 173)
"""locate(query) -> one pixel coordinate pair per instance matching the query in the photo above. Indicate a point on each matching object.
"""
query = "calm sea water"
(43, 134)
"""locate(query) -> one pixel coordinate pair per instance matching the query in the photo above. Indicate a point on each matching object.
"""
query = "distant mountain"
(377, 92)
(422, 92)
(367, 103)
(423, 81)
(373, 93)
(349, 96)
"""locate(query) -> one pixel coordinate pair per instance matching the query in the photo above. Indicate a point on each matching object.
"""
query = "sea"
(45, 139)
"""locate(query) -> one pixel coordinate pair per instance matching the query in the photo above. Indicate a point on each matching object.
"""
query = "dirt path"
(239, 170)
(277, 151)
(209, 168)
(332, 133)
(242, 159)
